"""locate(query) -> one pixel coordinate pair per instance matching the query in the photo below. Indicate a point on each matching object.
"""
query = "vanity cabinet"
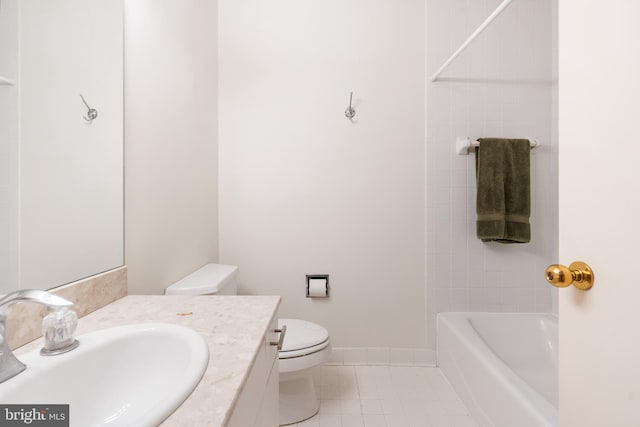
(258, 404)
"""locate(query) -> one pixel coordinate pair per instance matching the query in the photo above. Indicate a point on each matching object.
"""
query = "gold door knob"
(578, 273)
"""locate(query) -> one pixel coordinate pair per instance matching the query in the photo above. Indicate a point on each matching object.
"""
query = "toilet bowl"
(305, 348)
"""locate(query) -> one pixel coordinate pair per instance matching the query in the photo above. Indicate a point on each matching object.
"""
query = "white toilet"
(306, 345)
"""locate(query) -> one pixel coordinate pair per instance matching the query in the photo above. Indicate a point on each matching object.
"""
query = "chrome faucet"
(10, 366)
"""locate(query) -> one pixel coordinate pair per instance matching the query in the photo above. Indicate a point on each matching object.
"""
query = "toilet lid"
(301, 334)
(210, 279)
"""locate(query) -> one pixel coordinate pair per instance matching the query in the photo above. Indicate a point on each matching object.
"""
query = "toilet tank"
(212, 279)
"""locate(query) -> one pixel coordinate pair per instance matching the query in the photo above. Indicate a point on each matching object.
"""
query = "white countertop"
(233, 326)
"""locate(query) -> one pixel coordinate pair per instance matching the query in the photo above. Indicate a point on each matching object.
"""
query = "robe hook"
(92, 112)
(350, 112)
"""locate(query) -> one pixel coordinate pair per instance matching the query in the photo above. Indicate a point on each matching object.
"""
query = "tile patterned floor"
(386, 396)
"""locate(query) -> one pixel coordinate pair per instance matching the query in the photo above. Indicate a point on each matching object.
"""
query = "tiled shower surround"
(501, 86)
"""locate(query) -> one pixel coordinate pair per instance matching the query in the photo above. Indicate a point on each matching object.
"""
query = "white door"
(599, 99)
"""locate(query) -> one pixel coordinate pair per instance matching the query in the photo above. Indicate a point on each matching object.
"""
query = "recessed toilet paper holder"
(317, 286)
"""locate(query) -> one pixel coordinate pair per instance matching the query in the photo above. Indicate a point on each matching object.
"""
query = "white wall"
(302, 189)
(171, 140)
(9, 155)
(501, 86)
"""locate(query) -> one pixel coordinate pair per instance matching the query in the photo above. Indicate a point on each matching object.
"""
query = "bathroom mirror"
(70, 165)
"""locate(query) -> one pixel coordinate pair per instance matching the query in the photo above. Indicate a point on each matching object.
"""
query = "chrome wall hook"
(350, 112)
(92, 113)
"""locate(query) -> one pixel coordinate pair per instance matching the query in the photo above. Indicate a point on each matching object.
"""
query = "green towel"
(503, 201)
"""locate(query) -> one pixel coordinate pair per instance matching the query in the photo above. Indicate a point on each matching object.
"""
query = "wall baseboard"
(350, 356)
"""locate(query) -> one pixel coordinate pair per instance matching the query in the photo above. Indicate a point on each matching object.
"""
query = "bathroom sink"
(134, 375)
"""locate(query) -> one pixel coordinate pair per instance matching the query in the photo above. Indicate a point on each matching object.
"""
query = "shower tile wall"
(502, 87)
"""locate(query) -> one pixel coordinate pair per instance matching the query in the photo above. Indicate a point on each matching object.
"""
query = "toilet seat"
(303, 351)
(302, 338)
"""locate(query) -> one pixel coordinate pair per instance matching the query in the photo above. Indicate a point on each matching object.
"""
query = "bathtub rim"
(459, 325)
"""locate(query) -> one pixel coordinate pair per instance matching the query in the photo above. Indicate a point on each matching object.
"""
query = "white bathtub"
(504, 366)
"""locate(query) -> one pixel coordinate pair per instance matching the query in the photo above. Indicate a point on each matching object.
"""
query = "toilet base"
(298, 400)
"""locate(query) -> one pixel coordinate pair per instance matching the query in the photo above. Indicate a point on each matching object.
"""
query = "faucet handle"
(57, 329)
